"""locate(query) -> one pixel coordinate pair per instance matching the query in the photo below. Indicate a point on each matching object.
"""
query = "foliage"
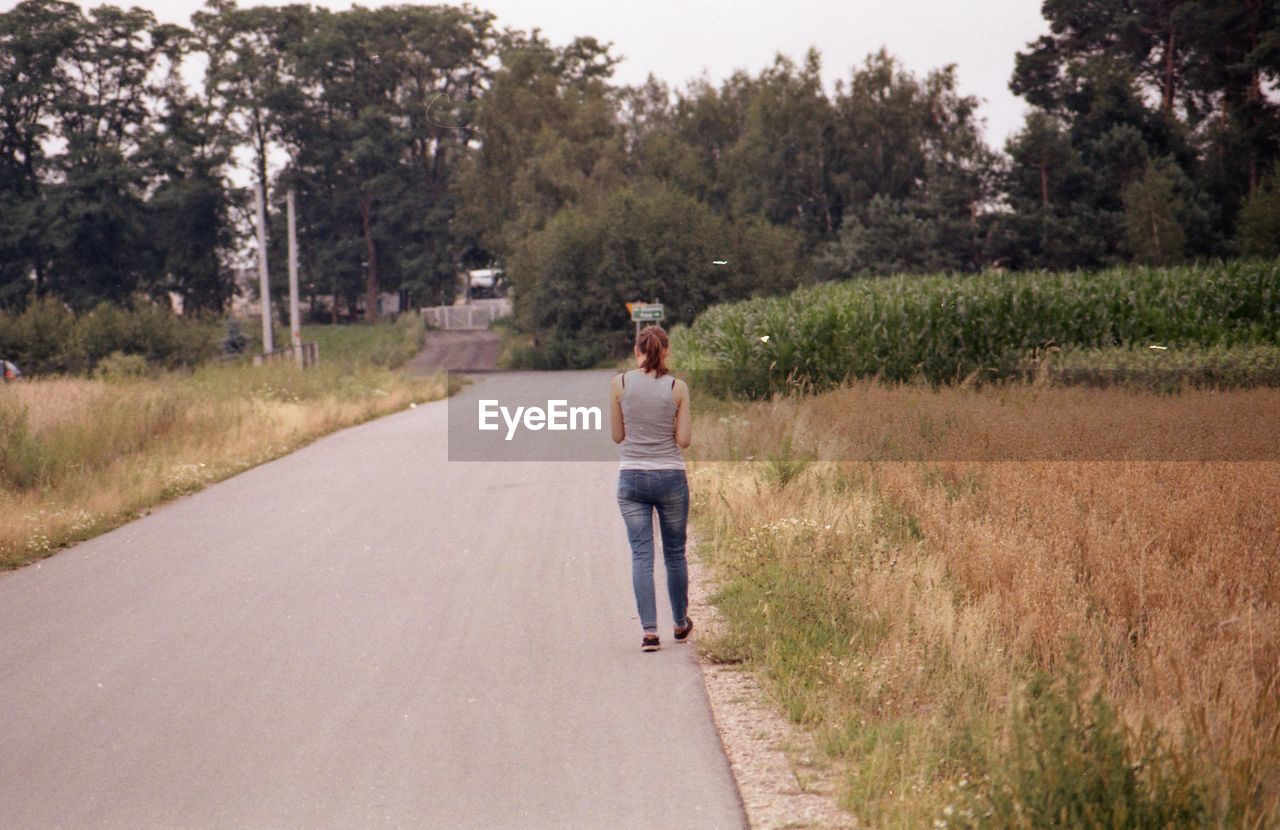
(1073, 764)
(421, 140)
(1218, 367)
(944, 328)
(121, 366)
(646, 242)
(1259, 231)
(111, 173)
(376, 114)
(47, 337)
(1151, 219)
(1115, 84)
(549, 140)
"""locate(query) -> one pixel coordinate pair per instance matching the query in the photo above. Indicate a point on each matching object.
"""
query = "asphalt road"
(360, 634)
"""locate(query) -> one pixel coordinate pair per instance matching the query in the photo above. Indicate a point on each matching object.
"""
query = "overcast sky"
(677, 40)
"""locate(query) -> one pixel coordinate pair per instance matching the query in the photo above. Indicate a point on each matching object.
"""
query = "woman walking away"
(651, 421)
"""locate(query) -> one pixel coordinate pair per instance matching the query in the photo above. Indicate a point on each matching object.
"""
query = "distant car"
(484, 282)
(11, 370)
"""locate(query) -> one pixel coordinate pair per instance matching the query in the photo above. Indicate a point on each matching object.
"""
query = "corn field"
(944, 328)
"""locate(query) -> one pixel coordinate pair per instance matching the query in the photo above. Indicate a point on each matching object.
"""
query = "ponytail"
(651, 343)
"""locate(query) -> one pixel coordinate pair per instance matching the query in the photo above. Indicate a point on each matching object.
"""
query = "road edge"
(783, 779)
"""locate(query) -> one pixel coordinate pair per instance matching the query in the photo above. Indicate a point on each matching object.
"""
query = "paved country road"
(360, 634)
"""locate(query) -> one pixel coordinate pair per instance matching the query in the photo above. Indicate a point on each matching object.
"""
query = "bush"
(558, 354)
(121, 366)
(1258, 233)
(48, 338)
(1073, 764)
(41, 339)
(401, 343)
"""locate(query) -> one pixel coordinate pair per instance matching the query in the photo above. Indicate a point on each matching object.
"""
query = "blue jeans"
(640, 492)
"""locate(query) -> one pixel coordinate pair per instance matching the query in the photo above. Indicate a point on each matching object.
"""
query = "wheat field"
(81, 455)
(902, 608)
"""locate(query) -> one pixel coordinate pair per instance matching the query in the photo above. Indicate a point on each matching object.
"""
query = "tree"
(644, 241)
(189, 212)
(248, 79)
(912, 174)
(34, 37)
(548, 134)
(1151, 210)
(1233, 55)
(96, 221)
(1259, 229)
(1187, 78)
(376, 142)
(784, 164)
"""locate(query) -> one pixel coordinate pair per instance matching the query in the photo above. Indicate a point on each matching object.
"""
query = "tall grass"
(1014, 644)
(81, 455)
(379, 344)
(944, 328)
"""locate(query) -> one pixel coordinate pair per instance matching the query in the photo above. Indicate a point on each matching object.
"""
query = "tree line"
(425, 139)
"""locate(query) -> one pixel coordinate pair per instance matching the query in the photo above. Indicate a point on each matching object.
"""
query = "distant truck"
(484, 282)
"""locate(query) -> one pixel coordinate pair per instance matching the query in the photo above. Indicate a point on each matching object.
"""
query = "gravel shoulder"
(783, 778)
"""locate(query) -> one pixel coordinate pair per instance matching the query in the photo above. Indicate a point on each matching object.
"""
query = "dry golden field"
(959, 632)
(79, 456)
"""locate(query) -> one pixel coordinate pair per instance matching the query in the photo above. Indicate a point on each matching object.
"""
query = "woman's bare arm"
(615, 413)
(684, 421)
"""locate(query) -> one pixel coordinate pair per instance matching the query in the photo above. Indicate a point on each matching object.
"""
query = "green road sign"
(652, 311)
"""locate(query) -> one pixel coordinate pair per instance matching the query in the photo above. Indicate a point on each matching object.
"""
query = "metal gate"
(475, 315)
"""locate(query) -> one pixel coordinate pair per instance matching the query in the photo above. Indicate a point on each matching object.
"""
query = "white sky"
(678, 40)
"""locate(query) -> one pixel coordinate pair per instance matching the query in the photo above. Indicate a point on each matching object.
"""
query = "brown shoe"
(682, 633)
(650, 643)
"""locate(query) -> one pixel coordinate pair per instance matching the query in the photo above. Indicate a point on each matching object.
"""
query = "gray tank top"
(649, 415)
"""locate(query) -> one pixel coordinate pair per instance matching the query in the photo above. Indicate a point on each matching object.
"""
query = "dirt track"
(458, 351)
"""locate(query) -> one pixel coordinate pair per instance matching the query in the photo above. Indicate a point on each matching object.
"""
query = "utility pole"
(268, 344)
(295, 324)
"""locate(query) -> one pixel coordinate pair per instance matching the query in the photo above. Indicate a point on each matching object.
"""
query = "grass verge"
(79, 456)
(1004, 644)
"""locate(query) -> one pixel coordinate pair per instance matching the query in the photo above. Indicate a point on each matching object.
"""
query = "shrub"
(47, 337)
(558, 354)
(1258, 233)
(41, 339)
(401, 343)
(121, 366)
(1073, 764)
